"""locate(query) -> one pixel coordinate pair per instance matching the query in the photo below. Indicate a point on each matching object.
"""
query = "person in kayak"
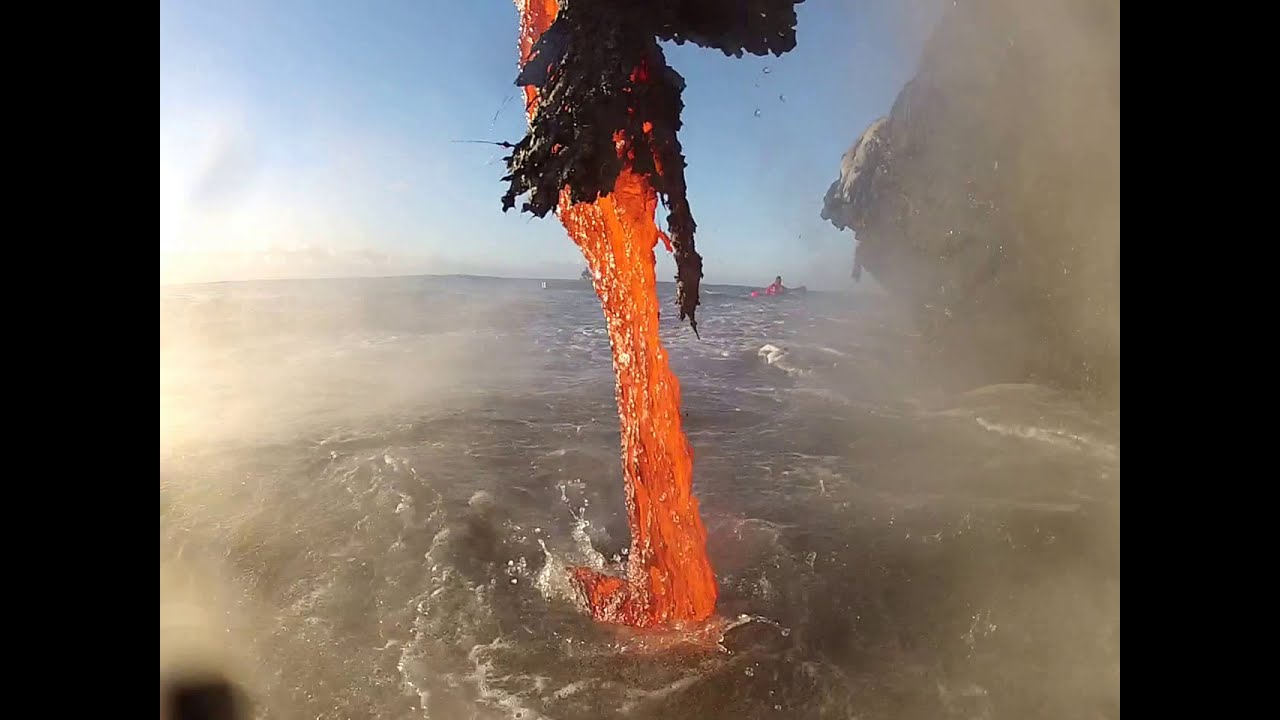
(777, 288)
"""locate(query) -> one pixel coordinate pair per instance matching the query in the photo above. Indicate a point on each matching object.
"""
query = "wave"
(1052, 436)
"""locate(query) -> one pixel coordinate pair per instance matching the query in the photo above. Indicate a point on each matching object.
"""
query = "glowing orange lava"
(669, 577)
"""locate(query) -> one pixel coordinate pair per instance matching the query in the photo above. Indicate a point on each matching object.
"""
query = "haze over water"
(371, 486)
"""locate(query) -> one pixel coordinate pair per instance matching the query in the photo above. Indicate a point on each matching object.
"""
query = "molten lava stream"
(669, 577)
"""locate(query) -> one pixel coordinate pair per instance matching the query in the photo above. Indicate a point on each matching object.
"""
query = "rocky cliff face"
(989, 197)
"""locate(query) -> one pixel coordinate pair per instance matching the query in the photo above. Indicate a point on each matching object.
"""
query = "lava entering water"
(603, 109)
(669, 576)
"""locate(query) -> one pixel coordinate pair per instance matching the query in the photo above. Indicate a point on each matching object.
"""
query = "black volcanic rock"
(989, 198)
(599, 71)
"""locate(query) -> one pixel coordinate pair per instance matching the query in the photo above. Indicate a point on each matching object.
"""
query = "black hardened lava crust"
(599, 70)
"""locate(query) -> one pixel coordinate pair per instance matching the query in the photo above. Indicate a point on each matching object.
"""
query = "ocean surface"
(369, 489)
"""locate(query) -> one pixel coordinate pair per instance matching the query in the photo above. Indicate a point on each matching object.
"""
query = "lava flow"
(603, 110)
(668, 574)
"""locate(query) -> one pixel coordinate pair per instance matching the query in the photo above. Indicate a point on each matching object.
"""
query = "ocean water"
(369, 489)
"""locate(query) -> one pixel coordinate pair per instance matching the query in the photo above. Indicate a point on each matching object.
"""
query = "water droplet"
(766, 70)
(782, 98)
(515, 581)
(749, 672)
(757, 112)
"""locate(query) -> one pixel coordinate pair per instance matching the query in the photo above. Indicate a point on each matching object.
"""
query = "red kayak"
(771, 292)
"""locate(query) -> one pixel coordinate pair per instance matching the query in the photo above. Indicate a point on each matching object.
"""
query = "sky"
(307, 138)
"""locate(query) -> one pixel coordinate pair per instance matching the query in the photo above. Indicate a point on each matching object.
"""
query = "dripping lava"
(604, 109)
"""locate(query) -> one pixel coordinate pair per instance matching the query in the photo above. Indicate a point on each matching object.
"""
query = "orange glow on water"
(669, 577)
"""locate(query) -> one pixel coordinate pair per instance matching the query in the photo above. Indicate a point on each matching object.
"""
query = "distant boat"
(584, 282)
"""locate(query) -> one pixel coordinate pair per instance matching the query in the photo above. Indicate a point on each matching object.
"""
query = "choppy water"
(366, 487)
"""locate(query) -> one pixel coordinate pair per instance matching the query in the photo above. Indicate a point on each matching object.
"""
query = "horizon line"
(475, 276)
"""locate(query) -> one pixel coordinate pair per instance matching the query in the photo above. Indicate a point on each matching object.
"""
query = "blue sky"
(313, 137)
